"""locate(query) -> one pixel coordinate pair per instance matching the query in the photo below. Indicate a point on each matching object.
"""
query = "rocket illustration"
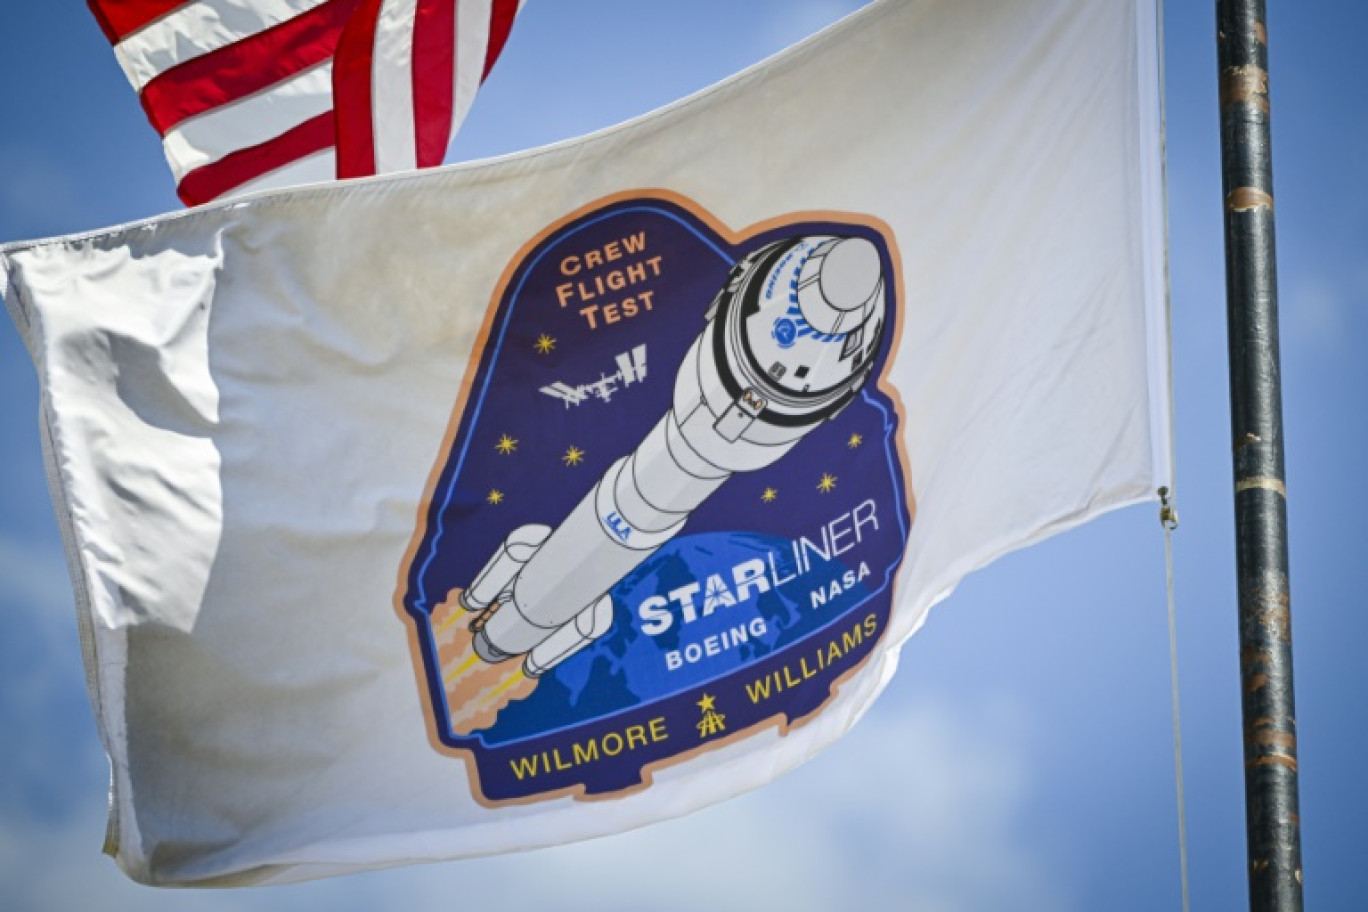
(789, 341)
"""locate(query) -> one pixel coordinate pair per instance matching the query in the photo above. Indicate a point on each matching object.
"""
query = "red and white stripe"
(251, 94)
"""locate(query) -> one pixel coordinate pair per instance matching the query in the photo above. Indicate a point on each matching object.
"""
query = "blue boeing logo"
(618, 525)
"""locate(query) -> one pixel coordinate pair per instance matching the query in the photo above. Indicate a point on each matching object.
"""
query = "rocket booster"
(790, 340)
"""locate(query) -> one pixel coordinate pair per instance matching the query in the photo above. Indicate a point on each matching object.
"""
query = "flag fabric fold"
(258, 94)
(524, 501)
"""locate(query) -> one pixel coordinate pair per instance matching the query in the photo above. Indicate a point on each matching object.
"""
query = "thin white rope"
(1168, 518)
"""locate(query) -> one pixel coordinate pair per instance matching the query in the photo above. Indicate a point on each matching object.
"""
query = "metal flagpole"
(1270, 726)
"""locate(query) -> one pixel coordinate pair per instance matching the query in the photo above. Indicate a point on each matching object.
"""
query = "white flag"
(526, 501)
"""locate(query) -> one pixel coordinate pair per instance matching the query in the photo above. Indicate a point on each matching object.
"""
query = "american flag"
(251, 94)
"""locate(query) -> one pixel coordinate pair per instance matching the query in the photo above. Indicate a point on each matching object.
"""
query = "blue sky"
(1021, 759)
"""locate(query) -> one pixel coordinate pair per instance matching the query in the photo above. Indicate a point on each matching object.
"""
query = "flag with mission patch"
(542, 498)
(254, 94)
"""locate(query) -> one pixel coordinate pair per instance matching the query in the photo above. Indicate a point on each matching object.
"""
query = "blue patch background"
(623, 677)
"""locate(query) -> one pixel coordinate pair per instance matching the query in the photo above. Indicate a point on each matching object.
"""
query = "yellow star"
(495, 497)
(769, 495)
(706, 704)
(573, 456)
(506, 445)
(544, 344)
(827, 483)
(854, 441)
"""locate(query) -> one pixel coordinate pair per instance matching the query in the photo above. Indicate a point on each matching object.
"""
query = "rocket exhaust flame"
(476, 691)
(512, 680)
(463, 668)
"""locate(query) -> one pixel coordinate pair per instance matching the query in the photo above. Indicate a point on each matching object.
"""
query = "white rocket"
(789, 342)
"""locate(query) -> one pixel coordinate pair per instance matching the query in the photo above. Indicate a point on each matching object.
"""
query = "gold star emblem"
(573, 456)
(495, 497)
(827, 484)
(854, 441)
(506, 445)
(544, 344)
(769, 495)
(713, 722)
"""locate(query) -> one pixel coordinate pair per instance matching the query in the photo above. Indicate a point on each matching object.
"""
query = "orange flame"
(476, 691)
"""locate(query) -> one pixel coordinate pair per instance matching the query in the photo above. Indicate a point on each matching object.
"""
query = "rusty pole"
(1270, 726)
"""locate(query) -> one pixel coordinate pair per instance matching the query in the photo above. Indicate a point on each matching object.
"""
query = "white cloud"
(921, 807)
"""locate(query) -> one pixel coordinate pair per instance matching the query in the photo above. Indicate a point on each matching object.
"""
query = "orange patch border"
(779, 720)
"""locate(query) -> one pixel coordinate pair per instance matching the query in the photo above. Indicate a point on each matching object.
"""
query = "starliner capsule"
(789, 341)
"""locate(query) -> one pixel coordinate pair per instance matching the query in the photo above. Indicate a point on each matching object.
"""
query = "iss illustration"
(790, 340)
